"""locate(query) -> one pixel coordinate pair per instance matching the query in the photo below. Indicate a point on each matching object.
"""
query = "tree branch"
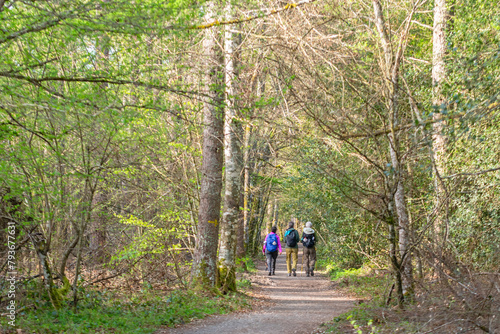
(100, 80)
(471, 174)
(249, 18)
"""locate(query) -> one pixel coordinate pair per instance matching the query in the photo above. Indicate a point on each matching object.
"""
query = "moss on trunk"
(227, 279)
(201, 281)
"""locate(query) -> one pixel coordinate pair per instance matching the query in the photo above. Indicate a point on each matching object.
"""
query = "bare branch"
(101, 80)
(471, 174)
(251, 17)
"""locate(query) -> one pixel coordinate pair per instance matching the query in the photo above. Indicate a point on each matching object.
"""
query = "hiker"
(271, 246)
(309, 240)
(292, 239)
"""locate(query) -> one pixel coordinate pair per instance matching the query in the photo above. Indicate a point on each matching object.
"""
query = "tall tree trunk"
(262, 214)
(253, 225)
(438, 139)
(270, 214)
(204, 270)
(246, 188)
(240, 241)
(233, 163)
(258, 87)
(275, 212)
(391, 73)
(240, 233)
(41, 250)
(395, 263)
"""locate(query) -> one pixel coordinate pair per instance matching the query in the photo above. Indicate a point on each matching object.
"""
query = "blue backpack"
(271, 242)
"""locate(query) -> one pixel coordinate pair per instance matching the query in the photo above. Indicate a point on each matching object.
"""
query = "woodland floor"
(289, 305)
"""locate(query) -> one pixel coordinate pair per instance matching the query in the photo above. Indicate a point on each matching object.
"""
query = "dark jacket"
(297, 237)
(308, 232)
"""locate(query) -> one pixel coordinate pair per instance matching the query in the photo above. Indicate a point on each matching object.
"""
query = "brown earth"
(297, 305)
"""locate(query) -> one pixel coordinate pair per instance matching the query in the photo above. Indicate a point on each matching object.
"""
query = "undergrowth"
(434, 309)
(140, 312)
(246, 265)
(371, 291)
(362, 284)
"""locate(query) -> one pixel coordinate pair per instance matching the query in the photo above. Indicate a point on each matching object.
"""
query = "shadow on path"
(301, 305)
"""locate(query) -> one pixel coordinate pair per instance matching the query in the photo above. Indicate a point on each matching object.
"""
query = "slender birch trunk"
(396, 264)
(391, 74)
(204, 270)
(233, 164)
(240, 234)
(438, 139)
(246, 188)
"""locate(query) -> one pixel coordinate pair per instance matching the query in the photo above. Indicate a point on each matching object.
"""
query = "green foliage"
(318, 191)
(360, 318)
(471, 88)
(363, 283)
(360, 329)
(246, 264)
(152, 238)
(150, 241)
(243, 284)
(141, 312)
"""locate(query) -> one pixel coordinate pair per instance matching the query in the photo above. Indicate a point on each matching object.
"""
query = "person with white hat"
(309, 242)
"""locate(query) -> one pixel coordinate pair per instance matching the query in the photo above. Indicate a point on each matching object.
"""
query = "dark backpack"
(271, 242)
(311, 240)
(291, 240)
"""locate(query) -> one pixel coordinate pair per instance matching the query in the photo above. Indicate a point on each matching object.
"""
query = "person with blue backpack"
(271, 246)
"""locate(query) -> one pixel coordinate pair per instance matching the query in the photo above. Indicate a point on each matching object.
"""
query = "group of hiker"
(272, 246)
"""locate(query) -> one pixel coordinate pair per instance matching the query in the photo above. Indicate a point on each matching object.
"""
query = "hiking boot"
(307, 274)
(289, 274)
(294, 273)
(312, 272)
(269, 274)
(273, 273)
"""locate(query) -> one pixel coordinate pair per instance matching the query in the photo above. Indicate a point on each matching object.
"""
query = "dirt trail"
(299, 305)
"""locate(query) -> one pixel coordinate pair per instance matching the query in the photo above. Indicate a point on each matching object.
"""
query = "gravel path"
(299, 305)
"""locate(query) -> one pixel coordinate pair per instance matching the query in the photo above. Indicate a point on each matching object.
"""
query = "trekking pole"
(302, 266)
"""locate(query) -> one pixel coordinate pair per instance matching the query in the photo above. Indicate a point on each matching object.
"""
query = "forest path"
(298, 305)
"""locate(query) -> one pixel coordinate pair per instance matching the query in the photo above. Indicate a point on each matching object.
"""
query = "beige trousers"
(292, 255)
